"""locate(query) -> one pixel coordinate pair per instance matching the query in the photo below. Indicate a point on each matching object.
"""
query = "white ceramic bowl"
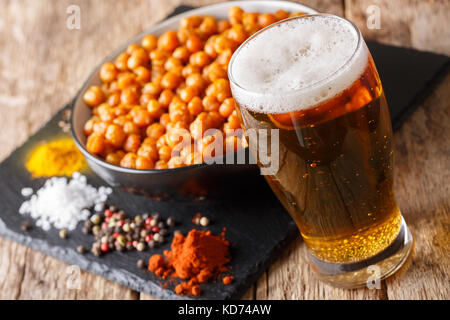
(162, 181)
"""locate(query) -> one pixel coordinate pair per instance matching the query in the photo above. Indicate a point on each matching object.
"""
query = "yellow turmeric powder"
(60, 157)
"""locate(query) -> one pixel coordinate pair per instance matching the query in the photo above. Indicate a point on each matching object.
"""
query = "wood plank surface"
(43, 64)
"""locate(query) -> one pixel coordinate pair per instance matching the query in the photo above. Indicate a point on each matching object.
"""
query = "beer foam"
(297, 64)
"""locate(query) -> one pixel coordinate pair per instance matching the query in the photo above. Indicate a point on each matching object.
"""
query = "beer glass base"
(367, 272)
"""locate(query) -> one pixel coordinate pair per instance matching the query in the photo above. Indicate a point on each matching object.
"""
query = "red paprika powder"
(199, 257)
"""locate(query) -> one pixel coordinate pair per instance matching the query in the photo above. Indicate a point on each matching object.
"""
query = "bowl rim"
(161, 25)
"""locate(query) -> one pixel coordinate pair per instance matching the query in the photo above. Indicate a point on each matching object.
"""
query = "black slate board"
(256, 224)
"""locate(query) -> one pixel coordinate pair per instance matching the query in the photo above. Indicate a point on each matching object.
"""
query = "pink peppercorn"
(104, 247)
(155, 229)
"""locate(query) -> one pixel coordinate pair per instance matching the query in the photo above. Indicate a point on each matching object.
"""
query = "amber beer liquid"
(335, 174)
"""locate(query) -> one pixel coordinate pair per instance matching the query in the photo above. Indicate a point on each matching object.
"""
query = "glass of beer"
(313, 79)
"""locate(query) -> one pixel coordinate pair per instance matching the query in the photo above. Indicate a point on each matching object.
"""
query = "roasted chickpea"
(227, 107)
(121, 62)
(143, 75)
(161, 142)
(100, 127)
(120, 121)
(224, 58)
(237, 33)
(144, 163)
(145, 98)
(113, 99)
(250, 19)
(149, 151)
(235, 15)
(168, 41)
(165, 153)
(215, 71)
(199, 59)
(223, 25)
(194, 43)
(175, 162)
(222, 43)
(191, 22)
(214, 119)
(210, 103)
(195, 106)
(172, 64)
(197, 129)
(281, 14)
(114, 158)
(159, 57)
(170, 80)
(132, 143)
(188, 93)
(210, 146)
(190, 69)
(108, 72)
(105, 112)
(208, 26)
(154, 108)
(129, 160)
(89, 127)
(266, 19)
(94, 96)
(142, 118)
(126, 79)
(95, 143)
(161, 164)
(130, 127)
(155, 131)
(132, 48)
(181, 53)
(195, 80)
(193, 158)
(138, 58)
(180, 113)
(149, 42)
(166, 97)
(151, 88)
(164, 119)
(115, 135)
(129, 96)
(233, 121)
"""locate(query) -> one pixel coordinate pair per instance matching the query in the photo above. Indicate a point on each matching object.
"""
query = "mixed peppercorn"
(115, 231)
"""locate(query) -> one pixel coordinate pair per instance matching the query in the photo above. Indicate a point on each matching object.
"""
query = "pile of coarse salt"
(62, 202)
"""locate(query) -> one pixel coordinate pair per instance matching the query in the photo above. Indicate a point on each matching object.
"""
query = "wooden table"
(43, 63)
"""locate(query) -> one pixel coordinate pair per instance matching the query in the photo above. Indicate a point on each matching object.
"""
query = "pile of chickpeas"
(170, 84)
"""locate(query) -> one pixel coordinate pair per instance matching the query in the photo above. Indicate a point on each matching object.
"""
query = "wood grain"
(416, 24)
(43, 64)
